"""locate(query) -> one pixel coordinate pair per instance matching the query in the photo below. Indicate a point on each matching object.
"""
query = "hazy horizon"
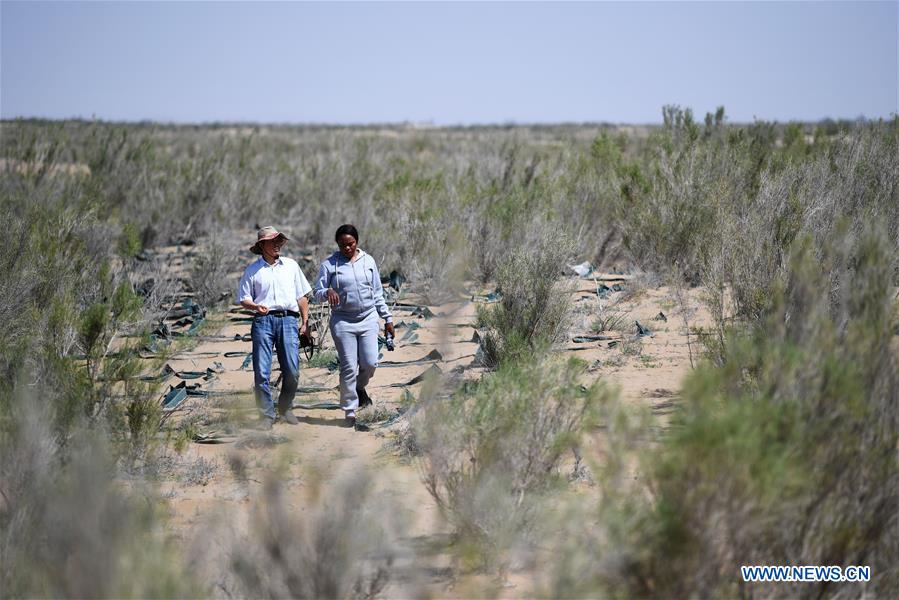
(698, 117)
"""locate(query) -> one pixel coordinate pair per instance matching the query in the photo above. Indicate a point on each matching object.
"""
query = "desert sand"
(646, 370)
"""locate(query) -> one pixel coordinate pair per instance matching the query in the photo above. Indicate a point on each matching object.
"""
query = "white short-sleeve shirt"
(276, 286)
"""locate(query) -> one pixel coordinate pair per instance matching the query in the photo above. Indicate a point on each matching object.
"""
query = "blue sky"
(447, 63)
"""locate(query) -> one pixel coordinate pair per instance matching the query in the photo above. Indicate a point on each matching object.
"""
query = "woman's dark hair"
(346, 230)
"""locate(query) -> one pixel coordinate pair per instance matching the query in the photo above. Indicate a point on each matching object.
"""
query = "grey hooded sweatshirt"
(358, 283)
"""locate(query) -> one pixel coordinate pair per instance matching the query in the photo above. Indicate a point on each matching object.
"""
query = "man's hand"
(388, 328)
(262, 310)
(303, 328)
(333, 298)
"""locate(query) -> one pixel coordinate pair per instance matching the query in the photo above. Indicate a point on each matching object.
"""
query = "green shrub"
(535, 306)
(341, 547)
(129, 243)
(69, 528)
(834, 195)
(610, 318)
(785, 455)
(670, 197)
(490, 453)
(326, 359)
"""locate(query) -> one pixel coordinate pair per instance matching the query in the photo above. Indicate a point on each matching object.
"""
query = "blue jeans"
(280, 333)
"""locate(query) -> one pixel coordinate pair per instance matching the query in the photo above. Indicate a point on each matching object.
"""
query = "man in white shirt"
(275, 289)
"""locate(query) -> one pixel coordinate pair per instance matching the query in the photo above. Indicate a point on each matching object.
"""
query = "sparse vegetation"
(610, 318)
(70, 530)
(491, 452)
(200, 471)
(781, 449)
(343, 548)
(209, 271)
(377, 413)
(786, 454)
(323, 360)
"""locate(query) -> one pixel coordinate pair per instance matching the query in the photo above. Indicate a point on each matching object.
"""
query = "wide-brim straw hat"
(266, 233)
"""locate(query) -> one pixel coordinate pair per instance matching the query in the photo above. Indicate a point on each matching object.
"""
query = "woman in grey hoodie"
(349, 280)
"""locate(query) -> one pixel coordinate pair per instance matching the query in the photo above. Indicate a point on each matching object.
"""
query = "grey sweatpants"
(357, 349)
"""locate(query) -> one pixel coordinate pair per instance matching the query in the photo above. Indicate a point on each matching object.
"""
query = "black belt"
(283, 313)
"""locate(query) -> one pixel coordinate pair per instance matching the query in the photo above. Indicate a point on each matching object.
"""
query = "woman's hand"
(388, 328)
(333, 298)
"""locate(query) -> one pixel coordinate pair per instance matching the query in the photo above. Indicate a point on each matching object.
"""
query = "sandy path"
(648, 372)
